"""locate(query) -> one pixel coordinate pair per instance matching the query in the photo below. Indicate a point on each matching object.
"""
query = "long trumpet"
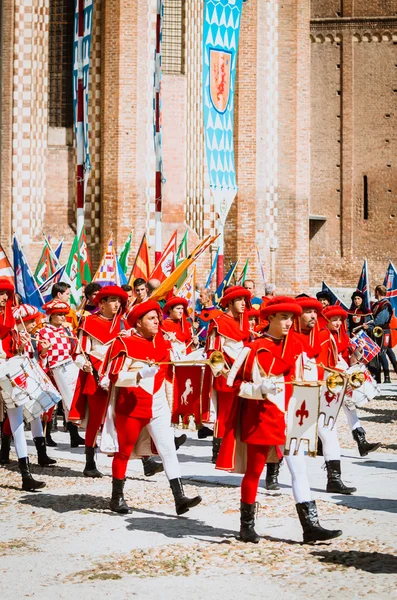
(377, 331)
(216, 361)
(336, 380)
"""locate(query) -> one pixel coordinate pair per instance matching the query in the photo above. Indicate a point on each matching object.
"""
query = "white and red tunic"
(63, 345)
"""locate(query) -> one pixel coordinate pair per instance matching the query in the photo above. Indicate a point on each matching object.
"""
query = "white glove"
(268, 387)
(148, 371)
(105, 382)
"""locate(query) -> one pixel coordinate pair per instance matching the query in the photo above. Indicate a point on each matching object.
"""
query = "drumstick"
(190, 343)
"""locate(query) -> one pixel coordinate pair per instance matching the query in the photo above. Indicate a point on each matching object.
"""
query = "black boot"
(319, 447)
(182, 502)
(272, 471)
(5, 449)
(363, 446)
(334, 481)
(247, 522)
(42, 457)
(28, 483)
(387, 378)
(75, 439)
(216, 444)
(204, 432)
(117, 502)
(312, 530)
(48, 439)
(90, 469)
(151, 466)
(179, 441)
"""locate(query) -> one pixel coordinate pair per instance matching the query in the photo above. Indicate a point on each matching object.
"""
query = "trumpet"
(216, 362)
(377, 331)
(336, 380)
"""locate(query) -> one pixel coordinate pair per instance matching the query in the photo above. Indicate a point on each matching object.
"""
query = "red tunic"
(333, 344)
(182, 330)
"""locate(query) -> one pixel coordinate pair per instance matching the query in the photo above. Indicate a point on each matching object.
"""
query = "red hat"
(309, 303)
(253, 313)
(25, 312)
(56, 307)
(334, 311)
(236, 291)
(6, 285)
(175, 301)
(284, 304)
(111, 290)
(140, 310)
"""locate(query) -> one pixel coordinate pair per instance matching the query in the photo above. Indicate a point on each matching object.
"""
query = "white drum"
(66, 375)
(24, 383)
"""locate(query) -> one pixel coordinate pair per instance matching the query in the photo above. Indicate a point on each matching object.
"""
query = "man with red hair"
(228, 333)
(256, 430)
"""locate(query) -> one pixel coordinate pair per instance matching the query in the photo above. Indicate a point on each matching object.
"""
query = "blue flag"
(46, 287)
(390, 284)
(335, 298)
(213, 269)
(121, 274)
(25, 284)
(363, 286)
(58, 250)
(225, 282)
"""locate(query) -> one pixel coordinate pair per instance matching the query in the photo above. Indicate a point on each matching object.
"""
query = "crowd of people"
(129, 370)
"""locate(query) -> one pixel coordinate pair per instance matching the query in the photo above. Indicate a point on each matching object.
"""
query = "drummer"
(63, 344)
(11, 344)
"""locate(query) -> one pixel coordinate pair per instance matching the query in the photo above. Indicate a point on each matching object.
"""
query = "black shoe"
(204, 432)
(216, 445)
(75, 439)
(117, 502)
(182, 502)
(334, 482)
(28, 483)
(312, 530)
(387, 379)
(364, 447)
(5, 449)
(179, 441)
(42, 457)
(90, 469)
(247, 522)
(151, 466)
(48, 439)
(272, 471)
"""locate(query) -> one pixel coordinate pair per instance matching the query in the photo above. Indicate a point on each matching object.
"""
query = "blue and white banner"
(363, 286)
(25, 284)
(390, 284)
(220, 46)
(46, 287)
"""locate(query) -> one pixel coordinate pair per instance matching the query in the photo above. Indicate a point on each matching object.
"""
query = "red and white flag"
(6, 269)
(187, 290)
(166, 264)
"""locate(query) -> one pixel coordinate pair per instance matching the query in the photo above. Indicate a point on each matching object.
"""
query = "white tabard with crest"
(302, 418)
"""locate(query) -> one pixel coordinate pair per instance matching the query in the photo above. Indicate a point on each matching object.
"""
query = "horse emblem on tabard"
(220, 69)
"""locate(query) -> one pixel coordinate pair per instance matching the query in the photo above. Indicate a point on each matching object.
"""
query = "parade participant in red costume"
(334, 353)
(253, 319)
(11, 344)
(132, 367)
(257, 425)
(60, 352)
(207, 313)
(307, 330)
(177, 329)
(96, 333)
(228, 333)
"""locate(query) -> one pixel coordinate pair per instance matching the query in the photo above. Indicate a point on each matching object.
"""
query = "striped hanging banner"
(81, 69)
(157, 129)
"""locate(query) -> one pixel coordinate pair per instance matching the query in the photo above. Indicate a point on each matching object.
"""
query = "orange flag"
(166, 264)
(141, 266)
(6, 269)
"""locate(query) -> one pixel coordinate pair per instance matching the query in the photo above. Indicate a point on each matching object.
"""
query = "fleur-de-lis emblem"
(302, 413)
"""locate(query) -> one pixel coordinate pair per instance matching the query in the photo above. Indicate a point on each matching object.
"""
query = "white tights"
(300, 483)
(352, 417)
(15, 416)
(329, 438)
(162, 434)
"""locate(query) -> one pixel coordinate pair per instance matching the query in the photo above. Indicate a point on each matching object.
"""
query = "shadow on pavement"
(364, 503)
(53, 471)
(371, 562)
(378, 464)
(65, 503)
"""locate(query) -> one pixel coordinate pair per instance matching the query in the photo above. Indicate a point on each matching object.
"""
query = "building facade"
(314, 132)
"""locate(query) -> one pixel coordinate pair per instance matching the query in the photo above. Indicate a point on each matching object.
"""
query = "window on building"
(365, 197)
(173, 37)
(60, 58)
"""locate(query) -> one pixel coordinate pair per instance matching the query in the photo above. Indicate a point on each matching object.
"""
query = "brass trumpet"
(377, 331)
(216, 363)
(336, 380)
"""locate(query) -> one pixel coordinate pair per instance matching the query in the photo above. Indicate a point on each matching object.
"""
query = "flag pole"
(80, 119)
(157, 135)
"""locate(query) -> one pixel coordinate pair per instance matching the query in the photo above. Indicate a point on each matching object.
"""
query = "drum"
(24, 383)
(65, 375)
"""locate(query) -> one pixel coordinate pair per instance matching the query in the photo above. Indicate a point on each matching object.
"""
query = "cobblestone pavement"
(63, 542)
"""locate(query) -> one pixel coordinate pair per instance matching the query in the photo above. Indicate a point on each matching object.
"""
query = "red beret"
(281, 304)
(56, 307)
(334, 311)
(26, 312)
(111, 290)
(6, 285)
(236, 291)
(140, 310)
(309, 303)
(175, 301)
(252, 312)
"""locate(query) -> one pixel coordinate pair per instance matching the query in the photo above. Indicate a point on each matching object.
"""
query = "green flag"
(181, 254)
(72, 273)
(243, 274)
(123, 258)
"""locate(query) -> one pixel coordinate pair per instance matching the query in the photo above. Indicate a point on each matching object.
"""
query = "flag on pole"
(157, 129)
(58, 250)
(46, 287)
(181, 254)
(166, 264)
(187, 290)
(225, 282)
(108, 272)
(141, 266)
(213, 269)
(243, 274)
(84, 262)
(335, 298)
(6, 270)
(47, 264)
(25, 284)
(71, 274)
(125, 251)
(390, 284)
(363, 286)
(121, 275)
